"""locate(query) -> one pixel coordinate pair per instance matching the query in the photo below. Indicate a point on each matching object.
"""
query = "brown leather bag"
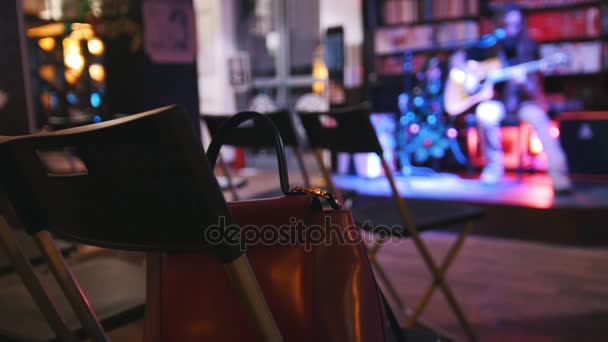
(310, 263)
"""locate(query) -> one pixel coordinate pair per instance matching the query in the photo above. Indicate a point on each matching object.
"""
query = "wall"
(15, 104)
(216, 43)
(216, 27)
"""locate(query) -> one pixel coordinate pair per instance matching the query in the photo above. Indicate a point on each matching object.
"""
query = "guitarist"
(521, 96)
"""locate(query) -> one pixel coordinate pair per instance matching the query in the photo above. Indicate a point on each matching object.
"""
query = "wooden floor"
(511, 290)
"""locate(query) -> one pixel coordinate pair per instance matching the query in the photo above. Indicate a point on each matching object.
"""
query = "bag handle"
(228, 126)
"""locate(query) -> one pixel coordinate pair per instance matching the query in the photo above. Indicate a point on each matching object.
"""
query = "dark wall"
(136, 82)
(14, 111)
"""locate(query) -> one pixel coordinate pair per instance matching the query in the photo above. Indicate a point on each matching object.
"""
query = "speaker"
(584, 137)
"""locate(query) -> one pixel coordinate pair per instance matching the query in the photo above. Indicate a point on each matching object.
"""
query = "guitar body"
(463, 84)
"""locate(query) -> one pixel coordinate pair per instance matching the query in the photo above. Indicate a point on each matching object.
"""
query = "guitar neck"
(505, 74)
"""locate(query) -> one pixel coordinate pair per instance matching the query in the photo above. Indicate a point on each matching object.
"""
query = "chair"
(23, 319)
(30, 250)
(262, 103)
(143, 185)
(249, 136)
(350, 130)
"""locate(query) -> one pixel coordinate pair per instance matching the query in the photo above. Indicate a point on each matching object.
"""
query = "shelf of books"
(567, 26)
(422, 27)
(535, 5)
(425, 28)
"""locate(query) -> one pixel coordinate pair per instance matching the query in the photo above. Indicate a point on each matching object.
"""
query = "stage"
(532, 191)
(517, 207)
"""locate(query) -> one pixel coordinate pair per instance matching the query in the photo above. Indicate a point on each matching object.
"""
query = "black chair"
(49, 316)
(142, 184)
(249, 135)
(350, 130)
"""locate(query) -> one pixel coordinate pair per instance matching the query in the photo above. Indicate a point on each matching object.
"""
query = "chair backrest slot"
(62, 162)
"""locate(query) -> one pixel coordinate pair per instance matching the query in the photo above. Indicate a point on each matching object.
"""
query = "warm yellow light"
(536, 147)
(72, 56)
(82, 31)
(318, 87)
(95, 46)
(80, 26)
(83, 34)
(47, 72)
(70, 45)
(48, 30)
(319, 71)
(46, 99)
(47, 44)
(71, 76)
(97, 72)
(74, 61)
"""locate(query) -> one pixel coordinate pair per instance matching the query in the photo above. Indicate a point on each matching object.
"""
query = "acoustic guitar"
(470, 85)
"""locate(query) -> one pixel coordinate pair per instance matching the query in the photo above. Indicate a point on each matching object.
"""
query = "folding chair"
(30, 251)
(21, 320)
(34, 286)
(350, 130)
(249, 136)
(143, 185)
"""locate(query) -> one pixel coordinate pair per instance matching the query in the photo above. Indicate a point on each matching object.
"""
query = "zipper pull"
(333, 202)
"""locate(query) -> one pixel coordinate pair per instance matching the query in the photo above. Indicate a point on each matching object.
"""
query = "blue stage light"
(95, 100)
(72, 98)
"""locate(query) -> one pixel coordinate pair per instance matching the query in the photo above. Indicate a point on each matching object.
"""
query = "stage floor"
(532, 191)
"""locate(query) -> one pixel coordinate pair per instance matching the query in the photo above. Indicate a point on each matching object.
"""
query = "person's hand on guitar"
(519, 75)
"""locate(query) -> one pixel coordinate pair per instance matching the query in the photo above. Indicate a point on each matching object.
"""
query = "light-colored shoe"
(561, 182)
(492, 173)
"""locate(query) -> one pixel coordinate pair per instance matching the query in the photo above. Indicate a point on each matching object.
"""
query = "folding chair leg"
(243, 280)
(324, 170)
(411, 320)
(300, 160)
(32, 283)
(426, 255)
(387, 282)
(226, 172)
(70, 287)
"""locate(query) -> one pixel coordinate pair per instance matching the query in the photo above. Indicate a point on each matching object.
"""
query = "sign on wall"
(170, 31)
